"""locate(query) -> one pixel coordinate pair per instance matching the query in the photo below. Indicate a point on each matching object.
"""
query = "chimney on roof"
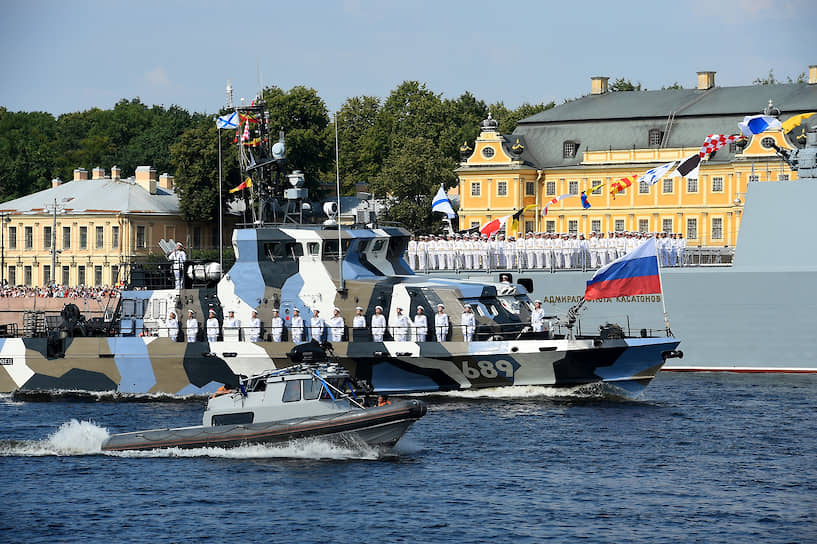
(598, 84)
(166, 181)
(146, 178)
(706, 80)
(80, 174)
(812, 74)
(116, 173)
(98, 173)
(56, 182)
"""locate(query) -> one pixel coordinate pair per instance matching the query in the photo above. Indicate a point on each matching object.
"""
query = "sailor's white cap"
(190, 312)
(337, 309)
(419, 306)
(274, 310)
(212, 311)
(358, 308)
(378, 307)
(179, 244)
(537, 301)
(441, 305)
(467, 305)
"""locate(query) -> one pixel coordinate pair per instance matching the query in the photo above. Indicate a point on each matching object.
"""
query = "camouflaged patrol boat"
(299, 402)
(284, 264)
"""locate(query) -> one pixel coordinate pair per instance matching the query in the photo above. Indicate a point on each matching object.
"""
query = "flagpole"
(341, 287)
(661, 288)
(220, 209)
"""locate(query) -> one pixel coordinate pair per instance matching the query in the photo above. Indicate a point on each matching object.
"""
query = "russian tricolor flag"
(636, 273)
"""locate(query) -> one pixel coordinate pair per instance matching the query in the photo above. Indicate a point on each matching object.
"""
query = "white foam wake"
(86, 438)
(72, 438)
(524, 392)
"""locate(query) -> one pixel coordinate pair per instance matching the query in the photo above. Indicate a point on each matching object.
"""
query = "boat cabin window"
(397, 246)
(160, 309)
(240, 418)
(485, 308)
(292, 391)
(378, 245)
(312, 388)
(330, 248)
(283, 251)
(132, 308)
(361, 245)
(313, 248)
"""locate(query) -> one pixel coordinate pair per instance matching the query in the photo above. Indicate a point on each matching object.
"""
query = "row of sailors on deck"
(535, 250)
(400, 326)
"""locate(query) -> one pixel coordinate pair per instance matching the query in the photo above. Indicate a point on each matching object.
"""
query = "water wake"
(583, 392)
(86, 438)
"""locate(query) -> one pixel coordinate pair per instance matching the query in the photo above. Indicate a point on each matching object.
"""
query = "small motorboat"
(303, 401)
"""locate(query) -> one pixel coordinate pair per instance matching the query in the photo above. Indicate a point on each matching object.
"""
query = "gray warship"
(289, 268)
(756, 314)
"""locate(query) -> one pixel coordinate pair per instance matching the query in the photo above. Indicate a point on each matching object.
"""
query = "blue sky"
(70, 56)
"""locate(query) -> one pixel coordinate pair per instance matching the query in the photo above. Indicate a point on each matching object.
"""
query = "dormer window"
(488, 152)
(654, 137)
(569, 149)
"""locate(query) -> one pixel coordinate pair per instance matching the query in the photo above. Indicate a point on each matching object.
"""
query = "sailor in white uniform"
(420, 325)
(468, 323)
(173, 327)
(192, 326)
(254, 329)
(177, 257)
(378, 324)
(441, 323)
(336, 326)
(537, 318)
(412, 253)
(400, 326)
(296, 330)
(317, 326)
(276, 326)
(359, 321)
(212, 326)
(231, 326)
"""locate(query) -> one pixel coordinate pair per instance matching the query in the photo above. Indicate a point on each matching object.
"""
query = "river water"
(698, 458)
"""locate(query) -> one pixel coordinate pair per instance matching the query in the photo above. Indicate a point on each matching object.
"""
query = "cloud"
(158, 77)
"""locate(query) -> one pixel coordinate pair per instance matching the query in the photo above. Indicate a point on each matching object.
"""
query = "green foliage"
(356, 118)
(508, 119)
(194, 158)
(675, 85)
(26, 152)
(411, 175)
(622, 84)
(303, 117)
(769, 79)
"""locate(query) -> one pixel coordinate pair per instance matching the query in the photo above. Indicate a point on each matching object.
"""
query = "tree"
(771, 80)
(27, 156)
(195, 160)
(410, 177)
(622, 84)
(357, 116)
(675, 85)
(303, 117)
(511, 118)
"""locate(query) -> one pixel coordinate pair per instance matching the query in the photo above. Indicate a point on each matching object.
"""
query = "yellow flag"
(792, 122)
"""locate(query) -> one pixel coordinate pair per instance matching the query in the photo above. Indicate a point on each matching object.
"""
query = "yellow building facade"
(706, 209)
(607, 136)
(102, 225)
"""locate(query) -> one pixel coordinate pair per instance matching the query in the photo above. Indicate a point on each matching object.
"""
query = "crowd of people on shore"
(544, 250)
(58, 291)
